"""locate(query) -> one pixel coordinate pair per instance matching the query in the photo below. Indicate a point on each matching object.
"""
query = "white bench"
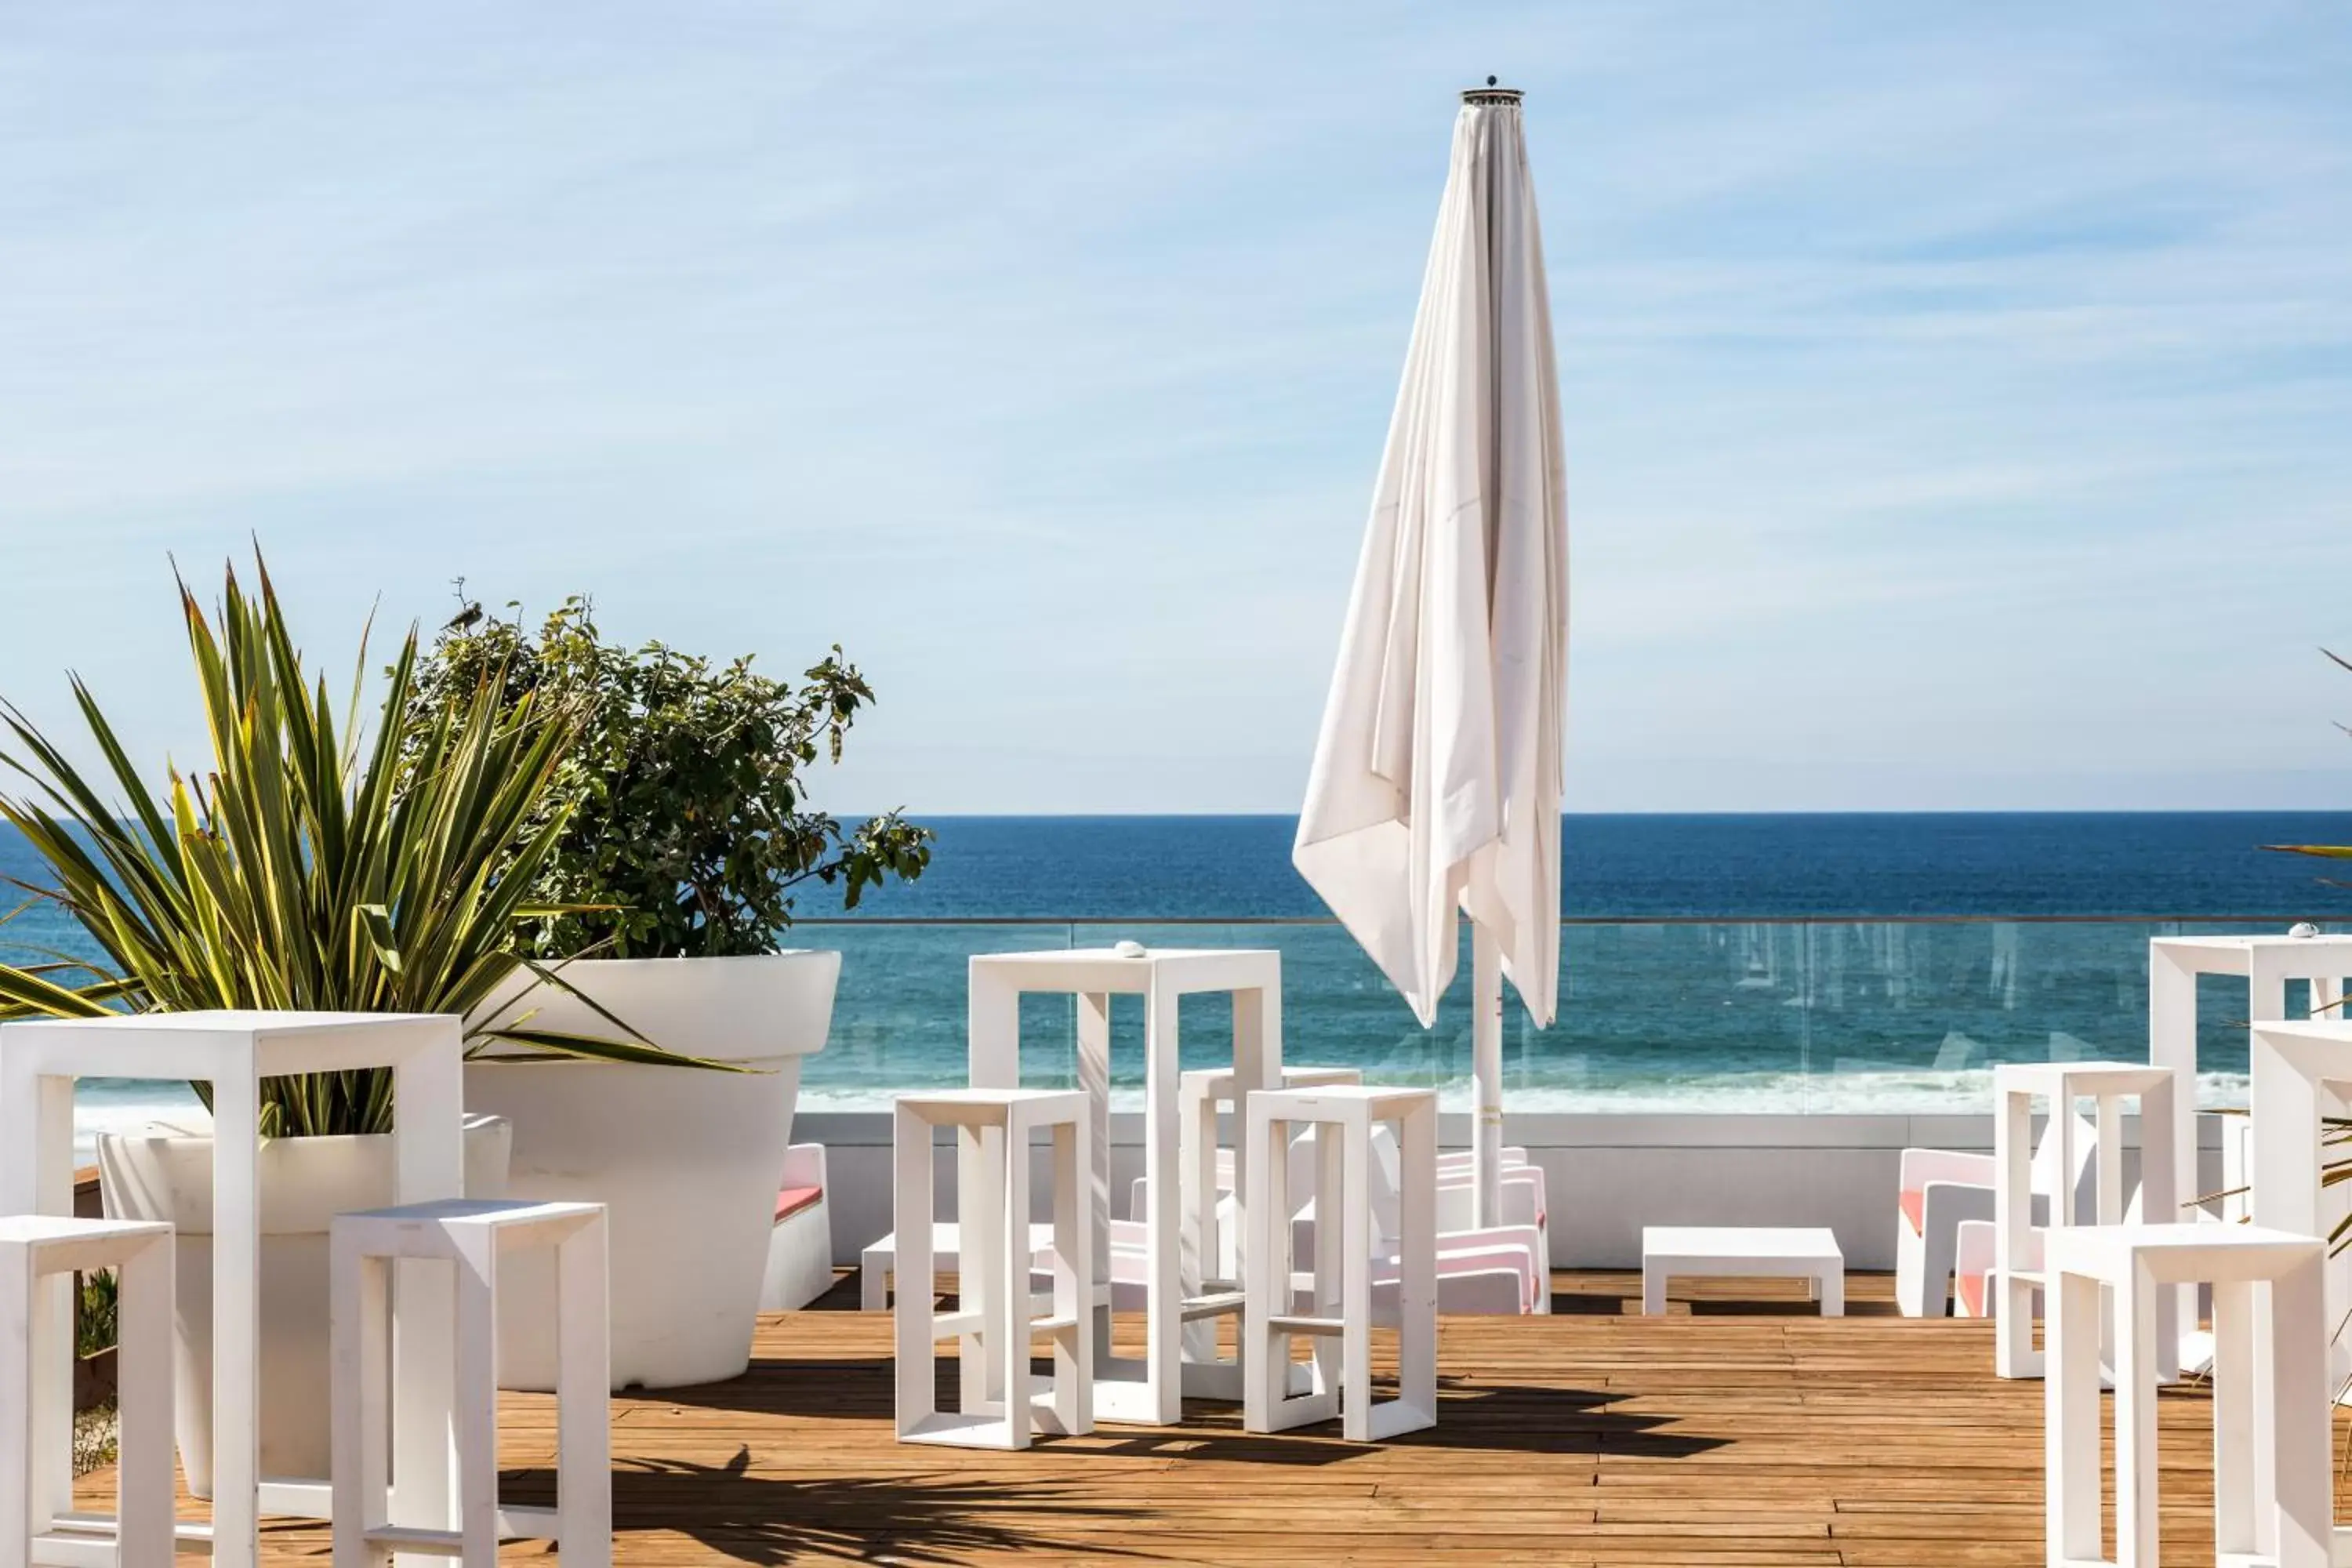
(1746, 1251)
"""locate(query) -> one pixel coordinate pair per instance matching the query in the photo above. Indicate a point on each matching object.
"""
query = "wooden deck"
(1738, 1431)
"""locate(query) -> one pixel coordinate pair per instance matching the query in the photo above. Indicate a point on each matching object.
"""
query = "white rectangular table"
(2266, 963)
(233, 1052)
(1175, 1273)
(1743, 1251)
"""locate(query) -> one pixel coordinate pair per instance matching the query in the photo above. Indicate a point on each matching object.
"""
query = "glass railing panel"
(1815, 1015)
(898, 1014)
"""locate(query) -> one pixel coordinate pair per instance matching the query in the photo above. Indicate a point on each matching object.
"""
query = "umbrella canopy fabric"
(1437, 782)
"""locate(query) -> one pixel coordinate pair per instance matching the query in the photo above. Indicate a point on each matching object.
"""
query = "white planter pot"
(305, 1183)
(686, 1160)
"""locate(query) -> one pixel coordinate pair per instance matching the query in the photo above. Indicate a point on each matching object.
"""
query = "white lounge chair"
(1940, 1188)
(800, 1246)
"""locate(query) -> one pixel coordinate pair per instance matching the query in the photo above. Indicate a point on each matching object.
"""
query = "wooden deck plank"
(1741, 1431)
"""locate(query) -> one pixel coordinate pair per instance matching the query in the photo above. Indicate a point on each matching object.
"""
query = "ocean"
(1805, 964)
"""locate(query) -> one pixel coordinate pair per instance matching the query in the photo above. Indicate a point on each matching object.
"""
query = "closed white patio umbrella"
(1436, 784)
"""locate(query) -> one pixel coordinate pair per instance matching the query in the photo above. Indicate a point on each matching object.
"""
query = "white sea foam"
(1880, 1091)
(1875, 1093)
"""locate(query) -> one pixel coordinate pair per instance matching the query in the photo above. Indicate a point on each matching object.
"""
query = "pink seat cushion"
(1915, 1210)
(792, 1200)
(1972, 1295)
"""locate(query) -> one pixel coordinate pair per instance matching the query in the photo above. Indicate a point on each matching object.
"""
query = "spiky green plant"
(306, 868)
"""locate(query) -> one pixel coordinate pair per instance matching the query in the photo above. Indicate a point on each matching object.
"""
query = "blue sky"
(1959, 400)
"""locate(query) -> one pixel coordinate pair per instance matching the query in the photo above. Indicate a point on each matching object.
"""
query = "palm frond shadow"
(734, 1512)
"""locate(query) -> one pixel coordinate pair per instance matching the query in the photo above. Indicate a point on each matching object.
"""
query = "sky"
(1957, 400)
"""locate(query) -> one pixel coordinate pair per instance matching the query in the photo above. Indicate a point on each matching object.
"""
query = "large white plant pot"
(305, 1183)
(687, 1160)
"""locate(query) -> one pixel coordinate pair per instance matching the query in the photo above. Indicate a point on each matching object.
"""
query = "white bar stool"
(1204, 1251)
(1341, 1303)
(469, 1234)
(996, 1315)
(38, 1247)
(2017, 1262)
(2285, 1514)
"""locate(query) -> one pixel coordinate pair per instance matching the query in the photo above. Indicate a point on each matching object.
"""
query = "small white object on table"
(2015, 1087)
(233, 1051)
(1150, 1391)
(1759, 1252)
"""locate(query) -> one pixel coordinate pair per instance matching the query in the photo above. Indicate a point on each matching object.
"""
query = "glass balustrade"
(1770, 1015)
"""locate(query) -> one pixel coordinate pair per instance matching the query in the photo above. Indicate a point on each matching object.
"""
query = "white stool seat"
(1339, 1303)
(996, 1315)
(470, 1234)
(2271, 1439)
(36, 1250)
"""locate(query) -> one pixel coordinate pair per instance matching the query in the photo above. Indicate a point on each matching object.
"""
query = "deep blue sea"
(1616, 867)
(1724, 963)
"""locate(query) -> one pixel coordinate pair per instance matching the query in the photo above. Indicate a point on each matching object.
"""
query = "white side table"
(1150, 1391)
(2269, 1396)
(1810, 1252)
(233, 1051)
(2015, 1087)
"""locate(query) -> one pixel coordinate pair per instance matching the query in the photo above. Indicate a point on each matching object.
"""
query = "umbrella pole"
(1486, 1074)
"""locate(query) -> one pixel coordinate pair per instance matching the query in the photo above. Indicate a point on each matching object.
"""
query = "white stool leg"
(911, 1217)
(17, 1414)
(1074, 1372)
(2234, 1503)
(1266, 1265)
(980, 1158)
(359, 1384)
(2070, 1394)
(1007, 1308)
(2136, 1543)
(1355, 1229)
(873, 1291)
(2300, 1434)
(1417, 1273)
(1330, 1247)
(476, 1404)
(143, 1482)
(584, 1398)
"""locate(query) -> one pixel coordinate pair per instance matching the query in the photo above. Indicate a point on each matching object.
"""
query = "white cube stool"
(1340, 1302)
(469, 1234)
(996, 1317)
(2284, 1515)
(2016, 1273)
(38, 1247)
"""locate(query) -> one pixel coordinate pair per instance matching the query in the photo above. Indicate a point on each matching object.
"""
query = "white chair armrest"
(803, 1167)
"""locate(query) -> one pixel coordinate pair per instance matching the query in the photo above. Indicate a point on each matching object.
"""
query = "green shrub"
(685, 830)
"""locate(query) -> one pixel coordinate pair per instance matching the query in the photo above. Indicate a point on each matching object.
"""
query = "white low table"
(1746, 1251)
